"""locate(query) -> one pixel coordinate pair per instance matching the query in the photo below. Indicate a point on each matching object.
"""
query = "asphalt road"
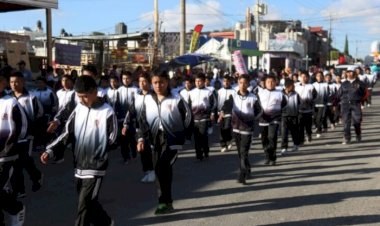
(326, 183)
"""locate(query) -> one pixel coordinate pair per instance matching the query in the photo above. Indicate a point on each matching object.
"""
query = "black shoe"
(267, 161)
(37, 184)
(358, 139)
(272, 163)
(241, 179)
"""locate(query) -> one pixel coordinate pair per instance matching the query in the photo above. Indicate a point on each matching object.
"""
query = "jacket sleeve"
(63, 114)
(38, 109)
(185, 111)
(227, 106)
(21, 123)
(112, 129)
(284, 102)
(65, 138)
(54, 102)
(258, 110)
(143, 130)
(213, 103)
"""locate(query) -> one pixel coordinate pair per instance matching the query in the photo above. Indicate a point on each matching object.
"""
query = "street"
(325, 183)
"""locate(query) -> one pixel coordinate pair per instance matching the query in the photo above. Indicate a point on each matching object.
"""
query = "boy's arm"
(38, 109)
(112, 129)
(20, 121)
(185, 111)
(258, 110)
(53, 148)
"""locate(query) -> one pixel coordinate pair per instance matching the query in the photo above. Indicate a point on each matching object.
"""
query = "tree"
(346, 49)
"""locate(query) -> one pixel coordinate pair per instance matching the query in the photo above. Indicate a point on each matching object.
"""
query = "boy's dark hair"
(328, 75)
(144, 75)
(244, 76)
(90, 68)
(42, 79)
(188, 79)
(270, 77)
(85, 84)
(17, 74)
(126, 73)
(201, 76)
(161, 74)
(114, 78)
(67, 76)
(103, 78)
(288, 82)
(227, 77)
(305, 73)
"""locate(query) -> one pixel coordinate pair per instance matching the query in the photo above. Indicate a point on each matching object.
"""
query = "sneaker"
(267, 161)
(210, 130)
(241, 179)
(224, 149)
(145, 178)
(229, 147)
(368, 105)
(21, 195)
(318, 135)
(362, 107)
(164, 208)
(345, 142)
(358, 139)
(37, 184)
(295, 148)
(112, 223)
(126, 162)
(283, 151)
(308, 140)
(272, 163)
(332, 126)
(151, 177)
(19, 218)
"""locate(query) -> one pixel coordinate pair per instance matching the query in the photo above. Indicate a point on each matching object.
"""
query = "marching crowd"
(154, 114)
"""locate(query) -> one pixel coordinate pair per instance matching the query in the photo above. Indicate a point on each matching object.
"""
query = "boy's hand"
(53, 125)
(124, 131)
(45, 158)
(220, 119)
(140, 146)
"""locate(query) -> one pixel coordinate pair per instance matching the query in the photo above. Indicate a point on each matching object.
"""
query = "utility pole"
(182, 36)
(330, 41)
(260, 9)
(156, 34)
(49, 40)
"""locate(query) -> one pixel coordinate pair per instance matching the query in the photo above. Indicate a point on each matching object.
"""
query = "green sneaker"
(164, 208)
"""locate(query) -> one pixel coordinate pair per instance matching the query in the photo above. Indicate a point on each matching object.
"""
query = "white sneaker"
(151, 177)
(332, 126)
(295, 148)
(224, 149)
(368, 105)
(145, 178)
(283, 151)
(318, 135)
(229, 147)
(19, 218)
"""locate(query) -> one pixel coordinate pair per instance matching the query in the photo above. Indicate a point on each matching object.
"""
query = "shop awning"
(17, 5)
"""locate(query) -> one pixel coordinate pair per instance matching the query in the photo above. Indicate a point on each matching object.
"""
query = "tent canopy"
(17, 5)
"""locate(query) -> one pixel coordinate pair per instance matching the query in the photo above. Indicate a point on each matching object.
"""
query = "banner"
(195, 37)
(239, 63)
(68, 54)
(15, 52)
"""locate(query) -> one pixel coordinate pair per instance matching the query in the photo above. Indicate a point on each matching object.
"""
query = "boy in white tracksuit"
(245, 110)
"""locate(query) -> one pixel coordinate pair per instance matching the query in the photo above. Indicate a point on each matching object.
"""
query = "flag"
(195, 37)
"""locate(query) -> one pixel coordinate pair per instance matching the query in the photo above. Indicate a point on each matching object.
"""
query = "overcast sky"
(358, 19)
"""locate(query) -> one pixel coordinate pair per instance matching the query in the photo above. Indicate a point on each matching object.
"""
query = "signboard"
(68, 54)
(16, 52)
(286, 46)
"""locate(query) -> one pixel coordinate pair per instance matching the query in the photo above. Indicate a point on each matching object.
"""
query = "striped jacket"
(90, 130)
(13, 127)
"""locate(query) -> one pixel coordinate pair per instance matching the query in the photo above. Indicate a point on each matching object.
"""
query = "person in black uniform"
(350, 96)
